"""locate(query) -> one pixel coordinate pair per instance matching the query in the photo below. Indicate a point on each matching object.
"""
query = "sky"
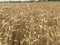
(17, 0)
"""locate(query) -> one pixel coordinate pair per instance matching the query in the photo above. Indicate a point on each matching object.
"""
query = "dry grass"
(30, 23)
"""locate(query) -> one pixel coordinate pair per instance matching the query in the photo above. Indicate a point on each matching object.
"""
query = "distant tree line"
(53, 0)
(49, 0)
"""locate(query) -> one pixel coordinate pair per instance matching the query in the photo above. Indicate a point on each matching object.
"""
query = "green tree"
(53, 0)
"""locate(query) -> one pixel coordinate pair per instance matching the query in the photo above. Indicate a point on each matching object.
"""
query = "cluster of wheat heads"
(28, 25)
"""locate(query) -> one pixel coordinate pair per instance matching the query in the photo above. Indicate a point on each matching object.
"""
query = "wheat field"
(33, 23)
